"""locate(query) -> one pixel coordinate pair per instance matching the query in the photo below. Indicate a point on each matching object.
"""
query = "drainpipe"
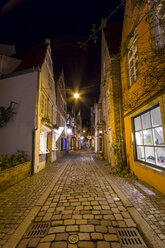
(36, 119)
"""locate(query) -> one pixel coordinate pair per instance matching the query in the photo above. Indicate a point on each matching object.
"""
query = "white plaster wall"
(17, 134)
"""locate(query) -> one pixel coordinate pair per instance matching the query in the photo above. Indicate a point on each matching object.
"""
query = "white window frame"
(132, 60)
(158, 28)
(43, 142)
(154, 146)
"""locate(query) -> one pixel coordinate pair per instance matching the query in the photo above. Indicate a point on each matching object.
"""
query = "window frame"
(133, 58)
(43, 134)
(143, 145)
(157, 30)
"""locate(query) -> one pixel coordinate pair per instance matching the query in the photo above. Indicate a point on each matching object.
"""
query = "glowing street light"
(76, 95)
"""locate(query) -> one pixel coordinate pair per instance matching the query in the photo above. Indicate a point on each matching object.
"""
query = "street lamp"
(76, 95)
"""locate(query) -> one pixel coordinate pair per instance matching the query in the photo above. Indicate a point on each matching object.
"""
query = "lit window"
(43, 142)
(132, 61)
(149, 139)
(100, 144)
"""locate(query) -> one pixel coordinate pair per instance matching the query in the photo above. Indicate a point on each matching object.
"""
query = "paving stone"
(130, 223)
(57, 223)
(61, 236)
(81, 222)
(56, 217)
(57, 229)
(44, 245)
(101, 229)
(47, 216)
(72, 246)
(48, 238)
(69, 222)
(109, 217)
(86, 244)
(33, 242)
(84, 236)
(103, 244)
(60, 244)
(115, 245)
(110, 237)
(77, 217)
(97, 236)
(88, 216)
(73, 228)
(105, 223)
(86, 228)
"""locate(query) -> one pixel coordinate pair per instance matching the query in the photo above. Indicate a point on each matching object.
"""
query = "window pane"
(146, 123)
(148, 139)
(158, 136)
(156, 117)
(139, 138)
(137, 123)
(160, 156)
(150, 156)
(140, 153)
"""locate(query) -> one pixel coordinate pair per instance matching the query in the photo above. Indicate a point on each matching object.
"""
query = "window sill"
(155, 170)
(43, 153)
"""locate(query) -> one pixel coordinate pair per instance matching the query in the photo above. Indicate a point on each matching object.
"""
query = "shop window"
(43, 142)
(149, 138)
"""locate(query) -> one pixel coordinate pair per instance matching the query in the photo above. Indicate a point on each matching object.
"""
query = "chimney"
(47, 41)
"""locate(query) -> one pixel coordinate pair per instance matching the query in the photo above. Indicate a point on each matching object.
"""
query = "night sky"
(26, 23)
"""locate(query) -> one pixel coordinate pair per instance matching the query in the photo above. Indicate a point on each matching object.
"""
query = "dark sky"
(26, 23)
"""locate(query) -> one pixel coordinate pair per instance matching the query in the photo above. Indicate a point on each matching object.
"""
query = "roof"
(113, 37)
(32, 57)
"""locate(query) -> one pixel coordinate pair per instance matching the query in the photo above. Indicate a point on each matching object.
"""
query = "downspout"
(36, 120)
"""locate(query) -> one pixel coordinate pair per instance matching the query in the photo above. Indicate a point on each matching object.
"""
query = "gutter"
(36, 120)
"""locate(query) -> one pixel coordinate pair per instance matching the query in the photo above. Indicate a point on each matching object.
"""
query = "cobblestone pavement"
(148, 201)
(82, 209)
(17, 201)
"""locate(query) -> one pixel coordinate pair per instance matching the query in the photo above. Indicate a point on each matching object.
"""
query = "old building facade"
(110, 94)
(142, 76)
(32, 89)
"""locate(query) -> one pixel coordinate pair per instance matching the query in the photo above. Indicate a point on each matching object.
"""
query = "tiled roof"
(113, 37)
(32, 57)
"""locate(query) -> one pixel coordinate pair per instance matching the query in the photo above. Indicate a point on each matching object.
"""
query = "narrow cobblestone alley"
(79, 203)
